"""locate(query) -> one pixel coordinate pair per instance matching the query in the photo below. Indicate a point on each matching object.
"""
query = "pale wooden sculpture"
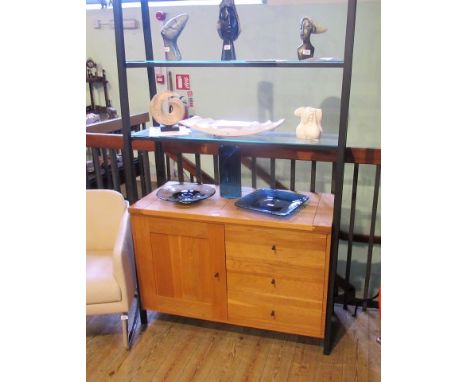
(310, 126)
(167, 108)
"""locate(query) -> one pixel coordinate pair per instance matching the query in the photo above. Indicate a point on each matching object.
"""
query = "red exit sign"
(182, 82)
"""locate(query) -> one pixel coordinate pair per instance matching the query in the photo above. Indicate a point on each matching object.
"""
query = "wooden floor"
(179, 349)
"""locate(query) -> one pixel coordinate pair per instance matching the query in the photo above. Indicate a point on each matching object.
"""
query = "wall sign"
(182, 82)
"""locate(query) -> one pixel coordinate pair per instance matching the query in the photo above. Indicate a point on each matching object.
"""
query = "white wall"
(267, 32)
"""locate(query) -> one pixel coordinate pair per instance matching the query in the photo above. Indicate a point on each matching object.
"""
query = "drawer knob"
(273, 248)
(216, 275)
(273, 282)
(272, 313)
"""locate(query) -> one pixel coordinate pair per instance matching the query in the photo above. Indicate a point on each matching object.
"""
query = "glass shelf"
(282, 139)
(317, 63)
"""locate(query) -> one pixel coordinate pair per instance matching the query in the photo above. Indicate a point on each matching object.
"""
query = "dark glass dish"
(274, 202)
(185, 193)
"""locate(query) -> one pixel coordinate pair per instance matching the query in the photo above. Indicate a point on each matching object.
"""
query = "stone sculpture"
(167, 109)
(170, 33)
(228, 28)
(308, 27)
(310, 125)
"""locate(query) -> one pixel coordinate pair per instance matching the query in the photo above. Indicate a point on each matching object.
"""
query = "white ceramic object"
(310, 126)
(224, 128)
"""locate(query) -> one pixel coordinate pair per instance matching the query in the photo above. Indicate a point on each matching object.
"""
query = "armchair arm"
(123, 261)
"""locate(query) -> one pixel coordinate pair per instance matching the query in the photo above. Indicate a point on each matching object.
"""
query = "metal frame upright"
(340, 167)
(123, 65)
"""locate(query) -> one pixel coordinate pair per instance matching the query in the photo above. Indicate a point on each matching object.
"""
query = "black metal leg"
(160, 164)
(327, 341)
(143, 314)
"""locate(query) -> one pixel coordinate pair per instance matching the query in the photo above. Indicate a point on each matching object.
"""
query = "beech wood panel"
(281, 248)
(144, 260)
(214, 261)
(221, 210)
(187, 268)
(179, 227)
(324, 213)
(275, 287)
(325, 284)
(274, 269)
(275, 314)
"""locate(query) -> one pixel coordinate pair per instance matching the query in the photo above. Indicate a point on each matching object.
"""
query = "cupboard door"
(188, 268)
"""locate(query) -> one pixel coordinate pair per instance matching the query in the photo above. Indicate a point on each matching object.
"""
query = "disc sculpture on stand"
(167, 109)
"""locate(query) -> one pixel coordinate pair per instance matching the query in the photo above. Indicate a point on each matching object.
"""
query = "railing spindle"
(216, 168)
(180, 168)
(88, 183)
(168, 167)
(144, 191)
(371, 235)
(198, 168)
(254, 172)
(146, 171)
(351, 226)
(333, 180)
(272, 172)
(313, 175)
(114, 170)
(160, 165)
(105, 164)
(292, 185)
(97, 169)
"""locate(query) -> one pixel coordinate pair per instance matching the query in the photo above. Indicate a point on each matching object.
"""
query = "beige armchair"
(110, 273)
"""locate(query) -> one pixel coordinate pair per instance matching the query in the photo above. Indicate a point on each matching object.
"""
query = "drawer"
(276, 253)
(284, 290)
(275, 313)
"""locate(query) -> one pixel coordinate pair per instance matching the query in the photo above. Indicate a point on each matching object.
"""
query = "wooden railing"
(105, 145)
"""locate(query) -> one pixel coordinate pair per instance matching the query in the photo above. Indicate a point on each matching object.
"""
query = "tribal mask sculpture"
(228, 28)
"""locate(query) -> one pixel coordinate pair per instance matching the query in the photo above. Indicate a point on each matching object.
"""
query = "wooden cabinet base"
(216, 262)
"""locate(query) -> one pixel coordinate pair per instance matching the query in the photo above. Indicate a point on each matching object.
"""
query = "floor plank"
(179, 349)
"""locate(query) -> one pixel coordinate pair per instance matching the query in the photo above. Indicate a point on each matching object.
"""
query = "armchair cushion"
(104, 211)
(101, 286)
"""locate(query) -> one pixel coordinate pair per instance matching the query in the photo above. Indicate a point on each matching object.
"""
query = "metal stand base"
(165, 128)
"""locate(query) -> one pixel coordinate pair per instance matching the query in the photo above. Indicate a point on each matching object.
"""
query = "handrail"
(353, 154)
(115, 124)
(115, 141)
